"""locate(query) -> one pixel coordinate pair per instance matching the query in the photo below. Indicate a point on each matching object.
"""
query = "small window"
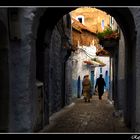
(111, 21)
(106, 72)
(100, 70)
(103, 24)
(80, 19)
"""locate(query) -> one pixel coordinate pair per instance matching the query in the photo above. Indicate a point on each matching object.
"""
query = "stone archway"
(51, 17)
(125, 19)
(4, 79)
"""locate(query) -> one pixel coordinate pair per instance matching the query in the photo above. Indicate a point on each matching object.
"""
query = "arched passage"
(4, 79)
(33, 56)
(125, 20)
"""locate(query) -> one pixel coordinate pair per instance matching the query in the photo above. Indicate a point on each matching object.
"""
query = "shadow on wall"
(4, 79)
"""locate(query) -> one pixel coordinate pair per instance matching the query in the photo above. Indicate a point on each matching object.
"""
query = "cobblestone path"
(83, 117)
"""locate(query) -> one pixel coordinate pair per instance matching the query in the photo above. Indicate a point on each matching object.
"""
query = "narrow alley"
(82, 117)
(45, 56)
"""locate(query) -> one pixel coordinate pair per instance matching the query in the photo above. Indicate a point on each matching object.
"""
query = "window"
(111, 21)
(100, 70)
(102, 24)
(80, 19)
(106, 72)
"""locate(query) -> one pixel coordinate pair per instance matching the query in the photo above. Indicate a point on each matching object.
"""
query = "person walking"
(86, 88)
(100, 83)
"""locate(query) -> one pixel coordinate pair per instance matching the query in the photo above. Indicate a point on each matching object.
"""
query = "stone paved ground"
(80, 117)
